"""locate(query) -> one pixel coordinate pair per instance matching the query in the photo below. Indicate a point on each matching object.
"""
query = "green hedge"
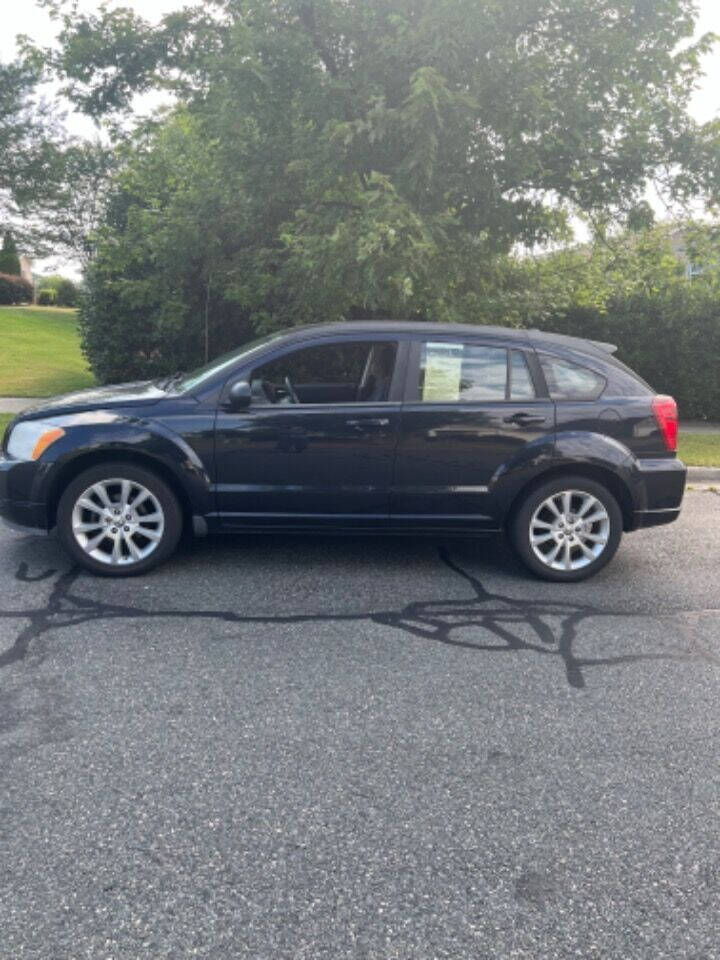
(672, 340)
(15, 289)
(57, 291)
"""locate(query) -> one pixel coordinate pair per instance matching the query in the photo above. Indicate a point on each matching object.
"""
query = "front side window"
(571, 381)
(462, 372)
(353, 371)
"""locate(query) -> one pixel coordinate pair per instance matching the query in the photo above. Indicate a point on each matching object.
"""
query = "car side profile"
(358, 427)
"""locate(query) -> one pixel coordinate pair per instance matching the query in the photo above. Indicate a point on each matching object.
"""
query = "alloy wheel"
(118, 522)
(569, 530)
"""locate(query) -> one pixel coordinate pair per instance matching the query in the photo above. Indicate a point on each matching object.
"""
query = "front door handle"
(369, 422)
(526, 419)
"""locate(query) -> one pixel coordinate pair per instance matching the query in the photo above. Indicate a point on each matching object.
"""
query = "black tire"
(520, 532)
(168, 537)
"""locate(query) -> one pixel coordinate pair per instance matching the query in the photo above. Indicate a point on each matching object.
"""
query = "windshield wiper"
(169, 381)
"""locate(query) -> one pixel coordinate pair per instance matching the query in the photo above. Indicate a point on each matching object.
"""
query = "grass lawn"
(5, 419)
(40, 352)
(700, 449)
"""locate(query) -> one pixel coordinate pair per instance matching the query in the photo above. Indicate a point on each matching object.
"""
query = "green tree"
(30, 148)
(155, 291)
(9, 259)
(372, 157)
(52, 186)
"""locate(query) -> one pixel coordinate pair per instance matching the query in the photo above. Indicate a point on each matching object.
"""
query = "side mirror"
(239, 395)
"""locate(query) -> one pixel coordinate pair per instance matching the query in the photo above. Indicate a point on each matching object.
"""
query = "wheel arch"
(83, 461)
(615, 484)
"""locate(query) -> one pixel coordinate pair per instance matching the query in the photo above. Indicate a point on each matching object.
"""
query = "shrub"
(66, 293)
(46, 298)
(672, 339)
(57, 291)
(635, 292)
(15, 289)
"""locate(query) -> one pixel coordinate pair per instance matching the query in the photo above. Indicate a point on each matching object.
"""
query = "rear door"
(474, 408)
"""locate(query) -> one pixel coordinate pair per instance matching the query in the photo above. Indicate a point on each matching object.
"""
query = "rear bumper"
(659, 491)
(654, 518)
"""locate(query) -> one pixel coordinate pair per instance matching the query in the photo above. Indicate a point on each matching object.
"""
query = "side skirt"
(354, 526)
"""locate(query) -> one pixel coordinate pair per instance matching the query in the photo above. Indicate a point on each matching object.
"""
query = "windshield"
(194, 379)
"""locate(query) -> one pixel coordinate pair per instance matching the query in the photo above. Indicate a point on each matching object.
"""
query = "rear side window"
(571, 381)
(462, 372)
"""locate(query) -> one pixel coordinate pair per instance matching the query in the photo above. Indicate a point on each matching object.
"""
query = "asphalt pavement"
(379, 749)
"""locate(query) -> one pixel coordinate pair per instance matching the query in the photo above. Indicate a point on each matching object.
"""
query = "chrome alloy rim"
(118, 522)
(569, 530)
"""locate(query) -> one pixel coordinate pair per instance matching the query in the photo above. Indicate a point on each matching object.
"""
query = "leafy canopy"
(52, 186)
(334, 158)
(9, 259)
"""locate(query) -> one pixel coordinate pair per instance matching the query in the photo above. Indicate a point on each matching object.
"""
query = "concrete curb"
(703, 475)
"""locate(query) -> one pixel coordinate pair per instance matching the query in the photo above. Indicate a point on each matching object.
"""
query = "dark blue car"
(367, 427)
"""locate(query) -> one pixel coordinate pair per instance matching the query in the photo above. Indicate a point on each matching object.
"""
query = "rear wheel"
(118, 520)
(568, 529)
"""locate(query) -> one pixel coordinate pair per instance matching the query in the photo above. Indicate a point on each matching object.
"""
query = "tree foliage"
(634, 290)
(14, 289)
(52, 186)
(57, 291)
(161, 263)
(339, 158)
(9, 259)
(30, 155)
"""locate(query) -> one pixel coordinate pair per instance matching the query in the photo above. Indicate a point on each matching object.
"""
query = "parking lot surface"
(343, 748)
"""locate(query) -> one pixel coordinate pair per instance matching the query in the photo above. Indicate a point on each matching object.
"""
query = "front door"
(316, 446)
(472, 411)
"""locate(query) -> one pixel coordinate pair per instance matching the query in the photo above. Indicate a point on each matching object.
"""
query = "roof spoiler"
(570, 340)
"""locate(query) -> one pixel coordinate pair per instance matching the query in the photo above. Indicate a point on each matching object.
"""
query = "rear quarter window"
(567, 380)
(622, 382)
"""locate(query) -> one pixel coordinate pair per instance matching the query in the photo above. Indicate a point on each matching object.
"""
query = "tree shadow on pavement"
(485, 622)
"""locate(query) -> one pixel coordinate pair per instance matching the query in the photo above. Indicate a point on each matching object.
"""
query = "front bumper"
(659, 487)
(17, 506)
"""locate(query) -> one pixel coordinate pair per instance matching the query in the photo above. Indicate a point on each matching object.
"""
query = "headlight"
(29, 439)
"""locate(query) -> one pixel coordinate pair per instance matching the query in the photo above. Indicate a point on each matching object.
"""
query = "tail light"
(666, 414)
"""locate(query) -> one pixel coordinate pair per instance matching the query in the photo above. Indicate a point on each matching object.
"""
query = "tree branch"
(307, 18)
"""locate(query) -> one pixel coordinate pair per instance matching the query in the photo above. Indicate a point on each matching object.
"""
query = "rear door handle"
(526, 419)
(369, 422)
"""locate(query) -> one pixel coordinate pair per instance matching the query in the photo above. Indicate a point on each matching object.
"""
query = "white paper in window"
(443, 371)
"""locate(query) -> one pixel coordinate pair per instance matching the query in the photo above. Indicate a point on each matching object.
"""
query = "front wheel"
(118, 520)
(568, 529)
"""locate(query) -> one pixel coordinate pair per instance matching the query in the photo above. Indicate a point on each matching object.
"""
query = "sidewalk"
(17, 404)
(699, 426)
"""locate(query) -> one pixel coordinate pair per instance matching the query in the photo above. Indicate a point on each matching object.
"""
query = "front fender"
(90, 436)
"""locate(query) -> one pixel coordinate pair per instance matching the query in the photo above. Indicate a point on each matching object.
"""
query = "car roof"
(533, 337)
(408, 327)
